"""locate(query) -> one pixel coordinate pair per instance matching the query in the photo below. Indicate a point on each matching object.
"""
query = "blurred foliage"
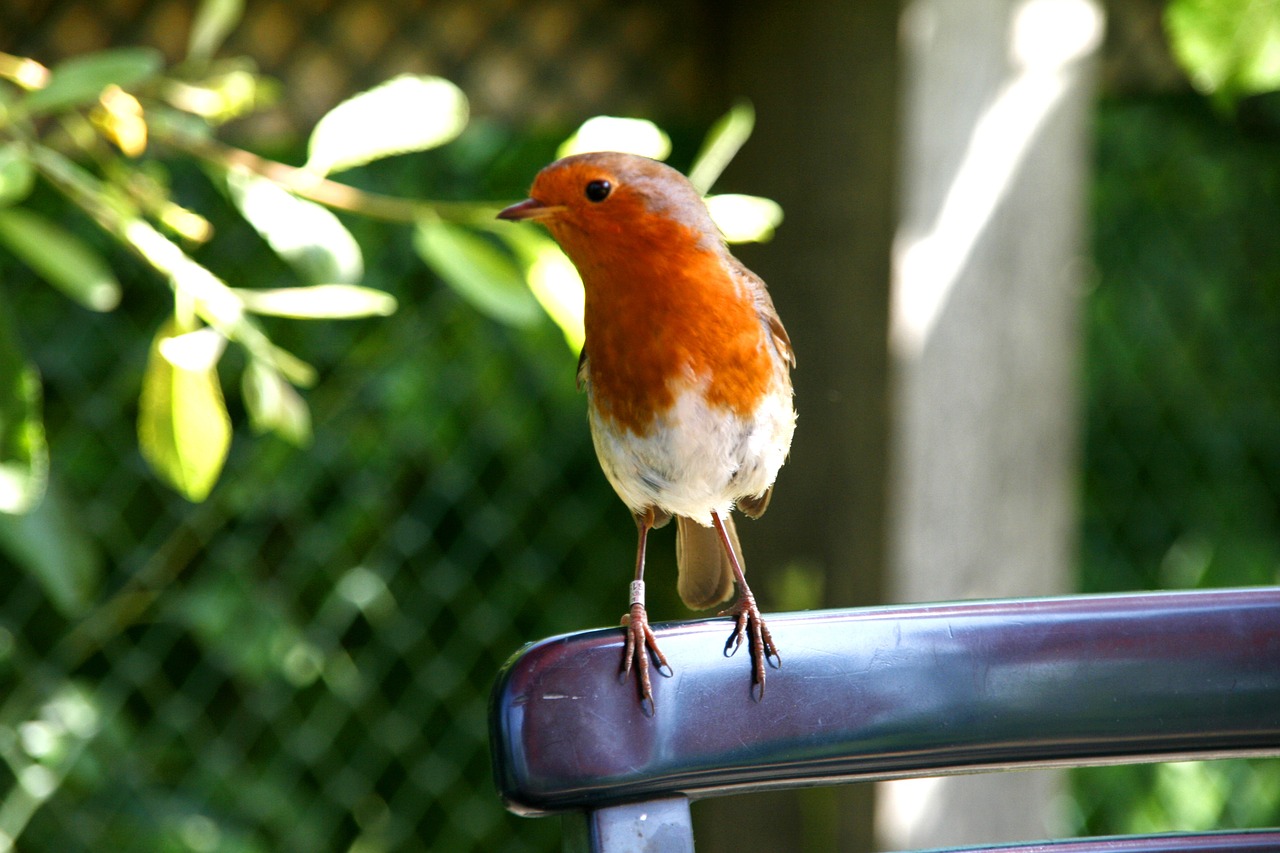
(1183, 470)
(1181, 466)
(1230, 48)
(282, 649)
(88, 128)
(301, 661)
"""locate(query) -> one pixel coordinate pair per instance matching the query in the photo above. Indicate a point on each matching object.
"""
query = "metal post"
(655, 826)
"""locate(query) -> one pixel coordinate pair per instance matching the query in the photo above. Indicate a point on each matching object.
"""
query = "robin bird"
(687, 370)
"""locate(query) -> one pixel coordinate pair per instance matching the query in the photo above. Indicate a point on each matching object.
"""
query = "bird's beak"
(529, 209)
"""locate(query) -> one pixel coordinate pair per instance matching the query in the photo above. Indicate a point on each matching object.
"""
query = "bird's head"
(606, 202)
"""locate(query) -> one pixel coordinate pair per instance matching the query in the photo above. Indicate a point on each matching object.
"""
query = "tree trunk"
(984, 344)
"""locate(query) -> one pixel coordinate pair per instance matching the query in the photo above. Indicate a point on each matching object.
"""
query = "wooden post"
(984, 345)
(823, 78)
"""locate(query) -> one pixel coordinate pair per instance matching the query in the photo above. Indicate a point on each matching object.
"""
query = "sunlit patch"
(628, 135)
(745, 218)
(1047, 38)
(327, 301)
(558, 288)
(27, 73)
(195, 351)
(1050, 34)
(407, 113)
(730, 132)
(119, 116)
(219, 98)
(903, 804)
(310, 238)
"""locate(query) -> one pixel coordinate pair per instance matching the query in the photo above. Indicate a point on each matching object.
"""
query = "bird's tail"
(705, 574)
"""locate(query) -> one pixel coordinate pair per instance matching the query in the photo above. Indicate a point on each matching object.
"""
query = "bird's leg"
(640, 639)
(749, 620)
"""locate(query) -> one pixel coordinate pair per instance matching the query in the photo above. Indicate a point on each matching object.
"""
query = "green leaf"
(244, 629)
(233, 90)
(290, 366)
(320, 301)
(611, 133)
(183, 427)
(553, 280)
(51, 544)
(214, 21)
(17, 175)
(217, 304)
(483, 274)
(81, 79)
(407, 113)
(1230, 48)
(725, 138)
(24, 455)
(197, 351)
(59, 258)
(274, 405)
(307, 236)
(745, 218)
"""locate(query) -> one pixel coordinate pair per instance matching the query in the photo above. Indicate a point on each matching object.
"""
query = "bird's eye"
(598, 191)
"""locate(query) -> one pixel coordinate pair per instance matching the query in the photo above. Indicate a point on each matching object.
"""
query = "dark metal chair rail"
(891, 692)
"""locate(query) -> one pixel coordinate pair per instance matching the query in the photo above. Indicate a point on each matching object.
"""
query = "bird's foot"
(640, 644)
(750, 622)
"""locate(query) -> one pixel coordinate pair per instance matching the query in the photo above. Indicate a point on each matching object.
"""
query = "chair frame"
(885, 693)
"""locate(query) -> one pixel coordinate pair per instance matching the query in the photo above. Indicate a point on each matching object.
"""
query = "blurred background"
(1030, 266)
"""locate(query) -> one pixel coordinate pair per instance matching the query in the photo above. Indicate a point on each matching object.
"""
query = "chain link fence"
(550, 62)
(303, 661)
(1181, 473)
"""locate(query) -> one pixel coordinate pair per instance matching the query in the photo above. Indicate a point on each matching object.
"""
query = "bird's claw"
(641, 643)
(749, 621)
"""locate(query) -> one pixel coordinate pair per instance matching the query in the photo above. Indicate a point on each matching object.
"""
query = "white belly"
(697, 459)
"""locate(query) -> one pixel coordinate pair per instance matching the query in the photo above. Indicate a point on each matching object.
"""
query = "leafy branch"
(88, 128)
(1230, 49)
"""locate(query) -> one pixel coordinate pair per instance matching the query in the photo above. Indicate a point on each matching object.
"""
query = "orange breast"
(662, 314)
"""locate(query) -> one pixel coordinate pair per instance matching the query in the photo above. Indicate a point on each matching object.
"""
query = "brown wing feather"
(582, 368)
(764, 309)
(705, 574)
(754, 506)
